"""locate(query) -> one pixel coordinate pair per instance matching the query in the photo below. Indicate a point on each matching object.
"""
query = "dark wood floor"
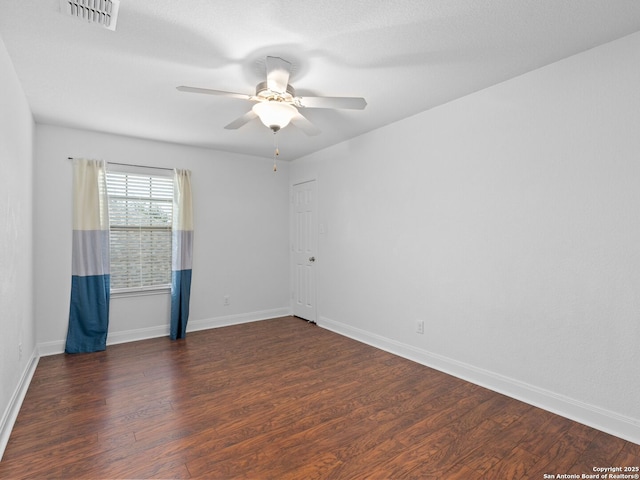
(283, 399)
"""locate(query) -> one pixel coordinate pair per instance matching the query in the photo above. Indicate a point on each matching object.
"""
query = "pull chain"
(276, 152)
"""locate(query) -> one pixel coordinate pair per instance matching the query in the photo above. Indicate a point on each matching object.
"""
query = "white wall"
(16, 254)
(508, 221)
(240, 240)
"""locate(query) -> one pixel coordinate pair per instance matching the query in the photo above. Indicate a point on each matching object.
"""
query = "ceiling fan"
(276, 101)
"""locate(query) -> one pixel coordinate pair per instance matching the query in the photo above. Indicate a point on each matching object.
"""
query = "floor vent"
(98, 12)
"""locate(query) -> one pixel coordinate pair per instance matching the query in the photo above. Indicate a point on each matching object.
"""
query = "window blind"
(140, 211)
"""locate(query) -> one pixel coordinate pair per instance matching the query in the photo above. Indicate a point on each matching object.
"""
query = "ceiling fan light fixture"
(275, 115)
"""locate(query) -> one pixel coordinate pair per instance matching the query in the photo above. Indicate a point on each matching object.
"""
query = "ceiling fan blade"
(351, 103)
(305, 125)
(243, 120)
(208, 91)
(278, 71)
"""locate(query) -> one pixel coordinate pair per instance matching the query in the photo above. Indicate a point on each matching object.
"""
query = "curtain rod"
(134, 165)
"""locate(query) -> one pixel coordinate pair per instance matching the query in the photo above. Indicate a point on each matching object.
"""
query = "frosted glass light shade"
(275, 114)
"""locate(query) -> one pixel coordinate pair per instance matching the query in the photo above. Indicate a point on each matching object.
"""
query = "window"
(140, 211)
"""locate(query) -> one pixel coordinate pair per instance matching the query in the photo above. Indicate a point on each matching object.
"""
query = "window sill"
(139, 292)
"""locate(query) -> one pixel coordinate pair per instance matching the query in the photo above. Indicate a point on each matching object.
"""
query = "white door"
(304, 248)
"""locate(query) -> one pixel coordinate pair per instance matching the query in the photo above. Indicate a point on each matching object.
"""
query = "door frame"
(294, 182)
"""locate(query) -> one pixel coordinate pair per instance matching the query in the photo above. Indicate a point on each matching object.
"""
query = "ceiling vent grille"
(97, 12)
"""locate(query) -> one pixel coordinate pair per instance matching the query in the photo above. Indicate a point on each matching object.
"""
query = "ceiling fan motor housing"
(263, 92)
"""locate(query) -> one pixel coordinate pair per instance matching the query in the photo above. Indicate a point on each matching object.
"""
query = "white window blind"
(140, 210)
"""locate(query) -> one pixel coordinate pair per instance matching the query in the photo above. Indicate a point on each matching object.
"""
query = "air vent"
(98, 12)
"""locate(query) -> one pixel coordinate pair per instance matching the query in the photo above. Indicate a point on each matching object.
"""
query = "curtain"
(181, 253)
(90, 278)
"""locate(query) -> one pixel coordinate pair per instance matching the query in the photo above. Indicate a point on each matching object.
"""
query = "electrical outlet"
(227, 300)
(420, 326)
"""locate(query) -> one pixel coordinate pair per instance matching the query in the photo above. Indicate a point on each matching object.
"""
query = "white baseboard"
(11, 413)
(114, 338)
(237, 319)
(593, 416)
(51, 348)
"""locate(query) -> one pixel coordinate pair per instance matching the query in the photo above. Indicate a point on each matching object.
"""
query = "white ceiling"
(403, 56)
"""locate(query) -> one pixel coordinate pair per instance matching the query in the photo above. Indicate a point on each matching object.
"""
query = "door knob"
(312, 259)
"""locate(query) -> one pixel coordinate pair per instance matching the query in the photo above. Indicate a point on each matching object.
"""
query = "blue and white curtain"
(90, 278)
(182, 250)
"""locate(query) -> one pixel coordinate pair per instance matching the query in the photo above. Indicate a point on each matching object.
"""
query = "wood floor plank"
(538, 441)
(514, 466)
(281, 399)
(461, 472)
(602, 451)
(632, 448)
(433, 460)
(558, 459)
